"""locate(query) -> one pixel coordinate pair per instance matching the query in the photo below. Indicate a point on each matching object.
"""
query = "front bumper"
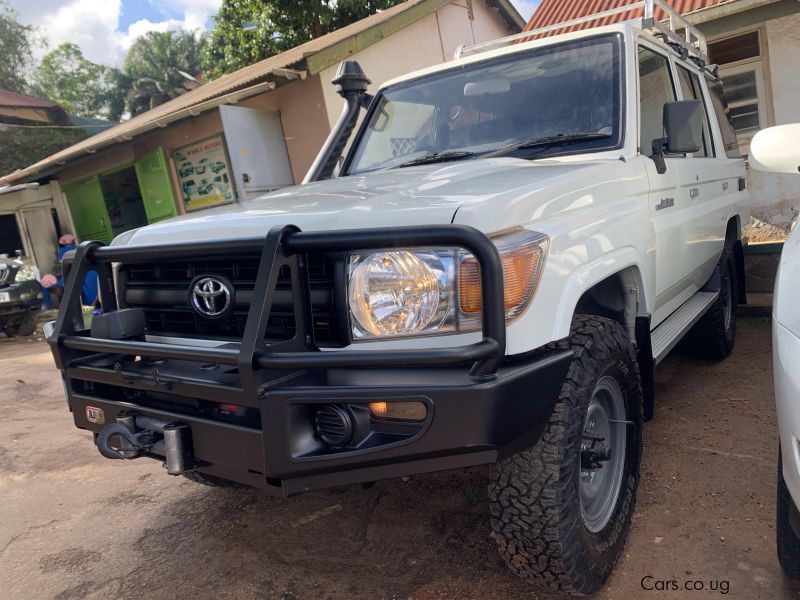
(468, 422)
(786, 363)
(22, 297)
(251, 407)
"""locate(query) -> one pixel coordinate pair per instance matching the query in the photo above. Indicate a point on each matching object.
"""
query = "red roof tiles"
(552, 12)
(13, 99)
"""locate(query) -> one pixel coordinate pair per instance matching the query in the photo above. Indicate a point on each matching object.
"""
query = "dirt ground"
(75, 525)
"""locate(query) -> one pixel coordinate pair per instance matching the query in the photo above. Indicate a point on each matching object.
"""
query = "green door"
(155, 187)
(88, 209)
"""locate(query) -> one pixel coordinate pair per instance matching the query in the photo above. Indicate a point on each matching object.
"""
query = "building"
(26, 218)
(249, 132)
(19, 109)
(755, 43)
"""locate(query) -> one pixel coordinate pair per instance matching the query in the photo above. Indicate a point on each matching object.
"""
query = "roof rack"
(691, 41)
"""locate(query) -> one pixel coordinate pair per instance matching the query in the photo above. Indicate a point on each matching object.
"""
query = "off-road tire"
(788, 541)
(23, 328)
(210, 480)
(713, 335)
(534, 495)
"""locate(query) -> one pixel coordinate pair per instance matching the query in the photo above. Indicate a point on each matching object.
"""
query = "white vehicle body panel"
(786, 360)
(598, 210)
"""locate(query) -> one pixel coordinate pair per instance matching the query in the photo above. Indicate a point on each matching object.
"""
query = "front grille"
(6, 274)
(162, 290)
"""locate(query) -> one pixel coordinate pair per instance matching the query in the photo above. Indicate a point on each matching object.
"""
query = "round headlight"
(393, 293)
(25, 273)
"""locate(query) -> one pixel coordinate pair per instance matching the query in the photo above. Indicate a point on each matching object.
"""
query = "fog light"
(334, 425)
(400, 411)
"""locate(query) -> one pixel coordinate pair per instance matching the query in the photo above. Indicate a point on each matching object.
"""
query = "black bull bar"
(258, 361)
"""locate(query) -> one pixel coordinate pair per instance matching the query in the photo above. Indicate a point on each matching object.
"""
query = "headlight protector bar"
(256, 360)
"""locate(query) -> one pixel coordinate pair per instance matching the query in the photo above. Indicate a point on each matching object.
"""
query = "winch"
(137, 435)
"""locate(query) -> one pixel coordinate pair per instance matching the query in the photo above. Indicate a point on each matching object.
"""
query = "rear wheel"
(561, 509)
(787, 536)
(714, 334)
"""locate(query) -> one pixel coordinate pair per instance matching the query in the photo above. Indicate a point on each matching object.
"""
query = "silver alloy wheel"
(602, 454)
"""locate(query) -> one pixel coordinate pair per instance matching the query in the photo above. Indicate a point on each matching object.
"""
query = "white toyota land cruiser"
(513, 242)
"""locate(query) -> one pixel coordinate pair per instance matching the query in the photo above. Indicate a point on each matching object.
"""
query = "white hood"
(424, 195)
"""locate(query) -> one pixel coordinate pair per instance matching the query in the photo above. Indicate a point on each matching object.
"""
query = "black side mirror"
(683, 123)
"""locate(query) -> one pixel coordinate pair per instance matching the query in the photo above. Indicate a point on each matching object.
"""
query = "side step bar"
(667, 335)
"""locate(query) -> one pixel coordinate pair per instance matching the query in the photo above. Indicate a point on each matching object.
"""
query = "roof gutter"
(720, 11)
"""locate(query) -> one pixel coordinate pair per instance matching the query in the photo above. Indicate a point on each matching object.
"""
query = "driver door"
(672, 194)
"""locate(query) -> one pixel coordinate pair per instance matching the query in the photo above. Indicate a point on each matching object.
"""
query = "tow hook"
(137, 435)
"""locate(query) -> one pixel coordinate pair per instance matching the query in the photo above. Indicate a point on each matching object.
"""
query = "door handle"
(694, 192)
(665, 203)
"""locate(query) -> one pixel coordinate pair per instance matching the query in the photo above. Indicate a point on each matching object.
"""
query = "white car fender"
(590, 274)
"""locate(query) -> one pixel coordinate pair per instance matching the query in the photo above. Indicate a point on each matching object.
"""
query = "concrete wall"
(777, 197)
(428, 42)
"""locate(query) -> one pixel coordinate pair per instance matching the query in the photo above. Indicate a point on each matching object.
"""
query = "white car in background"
(777, 150)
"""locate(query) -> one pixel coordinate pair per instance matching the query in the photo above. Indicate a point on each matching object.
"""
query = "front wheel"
(25, 327)
(561, 510)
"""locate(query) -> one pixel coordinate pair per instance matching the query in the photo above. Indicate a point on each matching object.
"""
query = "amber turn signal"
(520, 271)
(399, 411)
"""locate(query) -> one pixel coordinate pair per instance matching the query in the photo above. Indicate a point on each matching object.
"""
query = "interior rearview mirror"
(776, 149)
(683, 124)
(487, 87)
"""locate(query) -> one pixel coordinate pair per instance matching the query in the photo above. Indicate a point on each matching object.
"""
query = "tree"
(16, 41)
(80, 86)
(162, 66)
(246, 31)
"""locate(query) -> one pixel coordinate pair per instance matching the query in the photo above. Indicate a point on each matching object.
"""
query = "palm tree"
(162, 65)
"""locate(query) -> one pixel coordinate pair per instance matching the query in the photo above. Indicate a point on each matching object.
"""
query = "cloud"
(195, 12)
(94, 25)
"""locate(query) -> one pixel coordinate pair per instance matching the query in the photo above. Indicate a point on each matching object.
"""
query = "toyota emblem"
(211, 296)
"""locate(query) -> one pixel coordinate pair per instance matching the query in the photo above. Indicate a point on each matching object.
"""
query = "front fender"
(550, 316)
(590, 274)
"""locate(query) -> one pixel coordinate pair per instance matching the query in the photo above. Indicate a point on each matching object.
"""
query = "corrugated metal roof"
(339, 44)
(8, 98)
(552, 12)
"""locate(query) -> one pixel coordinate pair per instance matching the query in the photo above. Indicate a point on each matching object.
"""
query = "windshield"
(569, 91)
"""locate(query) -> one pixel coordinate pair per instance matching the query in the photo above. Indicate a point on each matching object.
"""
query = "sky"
(105, 29)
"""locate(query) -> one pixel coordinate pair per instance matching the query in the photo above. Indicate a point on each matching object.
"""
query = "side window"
(729, 139)
(690, 87)
(655, 89)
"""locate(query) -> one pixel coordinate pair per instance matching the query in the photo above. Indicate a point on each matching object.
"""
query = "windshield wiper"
(547, 142)
(434, 158)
